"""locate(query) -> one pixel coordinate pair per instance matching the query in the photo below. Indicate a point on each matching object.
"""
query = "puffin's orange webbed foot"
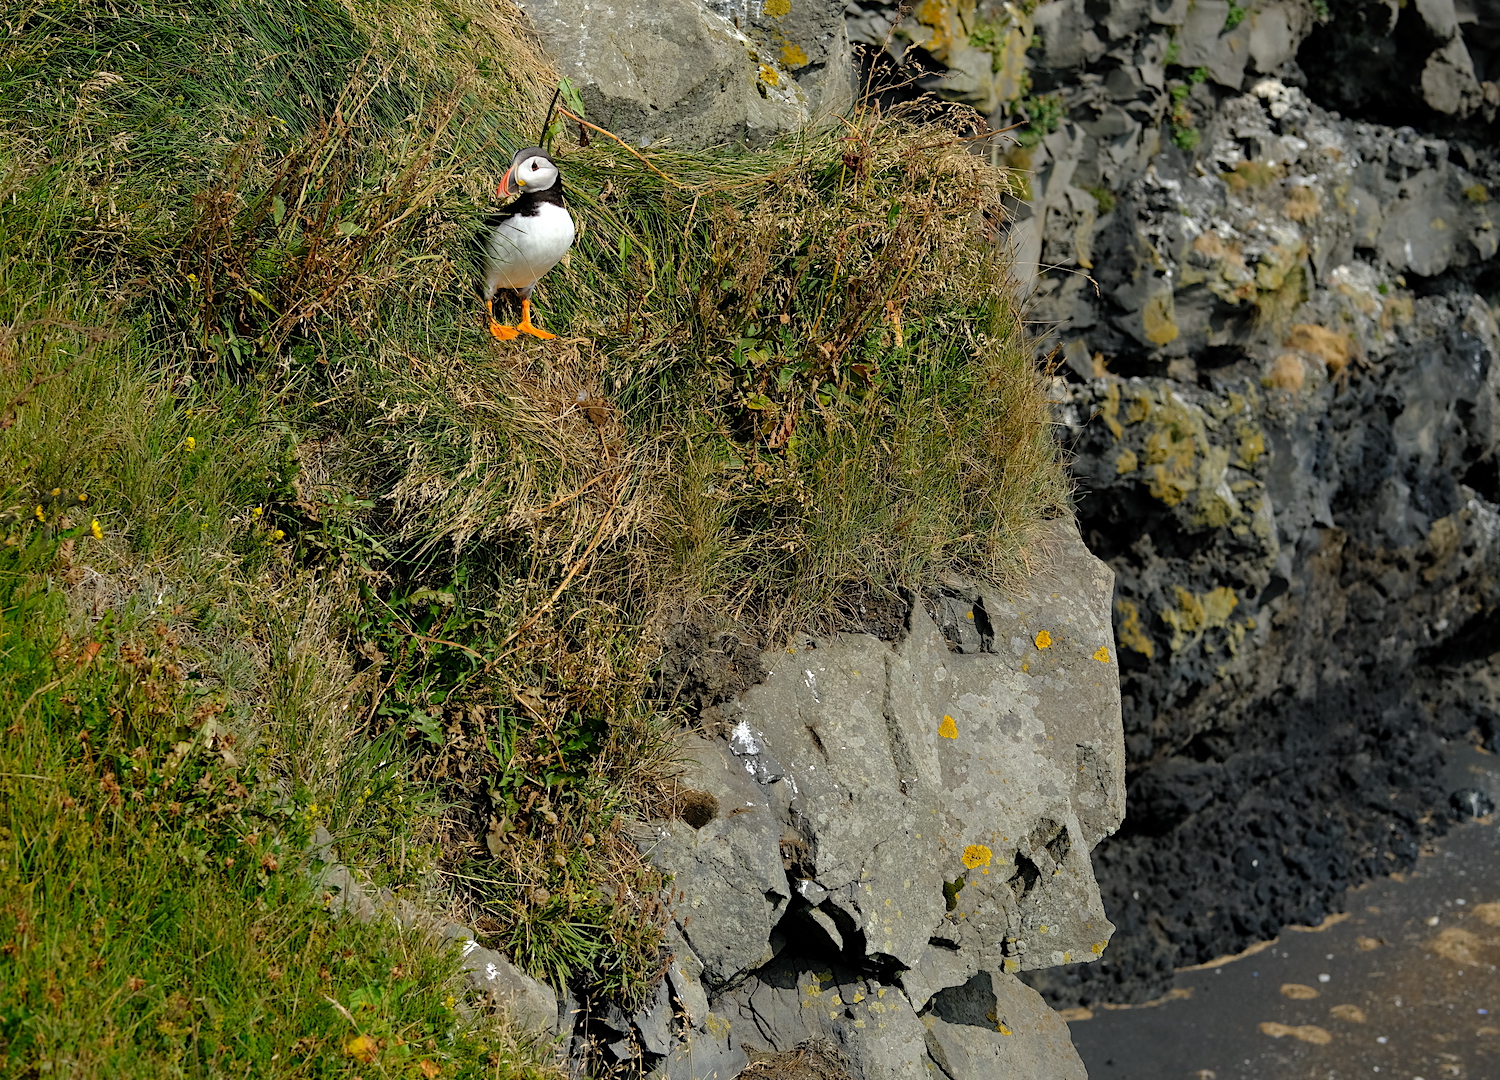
(501, 333)
(525, 325)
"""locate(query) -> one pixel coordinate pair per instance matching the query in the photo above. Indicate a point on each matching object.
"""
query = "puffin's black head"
(530, 170)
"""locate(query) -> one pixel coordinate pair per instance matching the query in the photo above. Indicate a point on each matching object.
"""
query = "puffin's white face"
(530, 170)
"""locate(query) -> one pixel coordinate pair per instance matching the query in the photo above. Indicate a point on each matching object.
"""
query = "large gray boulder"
(688, 75)
(881, 822)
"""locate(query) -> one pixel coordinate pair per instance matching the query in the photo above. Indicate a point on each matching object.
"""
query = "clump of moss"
(1185, 133)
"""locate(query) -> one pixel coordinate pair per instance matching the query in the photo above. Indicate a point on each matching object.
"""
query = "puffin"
(527, 238)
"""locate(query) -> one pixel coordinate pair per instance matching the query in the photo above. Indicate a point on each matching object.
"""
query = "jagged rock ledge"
(884, 833)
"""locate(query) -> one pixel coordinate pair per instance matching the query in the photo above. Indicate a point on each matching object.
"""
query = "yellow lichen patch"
(1252, 444)
(769, 75)
(948, 729)
(1101, 654)
(1308, 1033)
(1001, 1028)
(1443, 538)
(1126, 462)
(1109, 412)
(777, 8)
(1299, 991)
(1130, 633)
(1097, 948)
(1477, 193)
(976, 855)
(1171, 446)
(1335, 350)
(1043, 640)
(1140, 408)
(1159, 319)
(1352, 1013)
(1194, 614)
(1302, 204)
(1217, 505)
(1172, 481)
(793, 56)
(1011, 965)
(1282, 282)
(1288, 372)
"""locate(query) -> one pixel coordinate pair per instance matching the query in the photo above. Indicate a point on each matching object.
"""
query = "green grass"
(155, 916)
(422, 577)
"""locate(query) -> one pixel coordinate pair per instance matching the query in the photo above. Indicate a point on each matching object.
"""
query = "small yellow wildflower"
(190, 443)
(83, 496)
(278, 535)
(56, 492)
(41, 515)
(96, 529)
(255, 511)
(193, 278)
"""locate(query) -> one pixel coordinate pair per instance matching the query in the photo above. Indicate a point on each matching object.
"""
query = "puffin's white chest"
(522, 249)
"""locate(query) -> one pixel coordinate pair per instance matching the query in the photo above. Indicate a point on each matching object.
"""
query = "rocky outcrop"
(689, 73)
(884, 833)
(1277, 359)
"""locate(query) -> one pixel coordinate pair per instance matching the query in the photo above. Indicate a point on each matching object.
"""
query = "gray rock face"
(1278, 346)
(686, 74)
(887, 821)
(996, 1025)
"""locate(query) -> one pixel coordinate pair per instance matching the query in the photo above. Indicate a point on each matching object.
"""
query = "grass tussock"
(248, 407)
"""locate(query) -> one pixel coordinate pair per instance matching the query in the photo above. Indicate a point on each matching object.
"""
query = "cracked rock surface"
(885, 832)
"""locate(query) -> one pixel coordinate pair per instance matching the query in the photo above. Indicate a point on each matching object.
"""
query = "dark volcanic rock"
(1277, 334)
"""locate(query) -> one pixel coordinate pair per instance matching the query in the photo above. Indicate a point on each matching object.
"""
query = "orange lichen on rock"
(1335, 350)
(1302, 204)
(1288, 372)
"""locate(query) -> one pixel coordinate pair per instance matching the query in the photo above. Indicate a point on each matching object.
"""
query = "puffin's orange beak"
(508, 184)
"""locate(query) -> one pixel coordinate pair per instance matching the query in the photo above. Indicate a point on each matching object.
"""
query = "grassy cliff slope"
(287, 540)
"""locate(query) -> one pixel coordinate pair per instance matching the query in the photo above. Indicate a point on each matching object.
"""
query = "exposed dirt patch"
(810, 1061)
(706, 663)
